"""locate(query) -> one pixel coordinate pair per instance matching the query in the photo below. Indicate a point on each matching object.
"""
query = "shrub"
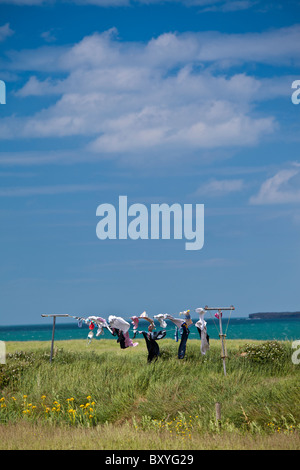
(266, 352)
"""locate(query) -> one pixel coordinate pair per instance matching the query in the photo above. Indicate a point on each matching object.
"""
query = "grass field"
(102, 397)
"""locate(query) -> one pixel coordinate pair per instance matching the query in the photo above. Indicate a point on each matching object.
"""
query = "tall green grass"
(104, 385)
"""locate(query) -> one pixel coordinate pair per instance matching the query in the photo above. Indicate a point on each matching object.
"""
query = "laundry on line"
(119, 327)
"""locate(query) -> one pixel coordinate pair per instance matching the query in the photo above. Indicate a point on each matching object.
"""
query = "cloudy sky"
(170, 101)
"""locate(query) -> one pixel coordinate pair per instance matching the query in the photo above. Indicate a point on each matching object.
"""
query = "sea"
(234, 328)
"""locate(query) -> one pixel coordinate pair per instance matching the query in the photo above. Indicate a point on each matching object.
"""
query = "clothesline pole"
(221, 335)
(223, 355)
(52, 341)
(53, 330)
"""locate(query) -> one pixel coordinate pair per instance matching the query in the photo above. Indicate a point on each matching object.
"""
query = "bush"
(17, 362)
(266, 352)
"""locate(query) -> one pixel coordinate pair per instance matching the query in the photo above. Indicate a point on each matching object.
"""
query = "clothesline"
(120, 327)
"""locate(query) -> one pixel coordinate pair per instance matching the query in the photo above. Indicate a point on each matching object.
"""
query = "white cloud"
(5, 31)
(38, 158)
(220, 187)
(48, 36)
(269, 47)
(106, 3)
(27, 2)
(276, 47)
(224, 4)
(282, 188)
(49, 190)
(162, 95)
(34, 87)
(155, 127)
(228, 6)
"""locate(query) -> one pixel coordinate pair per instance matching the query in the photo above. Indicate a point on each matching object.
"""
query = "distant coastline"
(276, 315)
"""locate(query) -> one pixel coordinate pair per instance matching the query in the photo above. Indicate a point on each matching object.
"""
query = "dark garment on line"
(152, 346)
(121, 338)
(184, 337)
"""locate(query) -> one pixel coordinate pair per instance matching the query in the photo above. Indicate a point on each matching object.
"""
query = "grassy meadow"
(98, 396)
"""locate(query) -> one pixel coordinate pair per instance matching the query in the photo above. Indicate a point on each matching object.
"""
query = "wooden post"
(53, 330)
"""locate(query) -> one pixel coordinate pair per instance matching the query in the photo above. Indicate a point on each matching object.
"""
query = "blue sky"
(162, 101)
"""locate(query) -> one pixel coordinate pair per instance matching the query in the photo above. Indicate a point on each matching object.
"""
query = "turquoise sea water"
(238, 328)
